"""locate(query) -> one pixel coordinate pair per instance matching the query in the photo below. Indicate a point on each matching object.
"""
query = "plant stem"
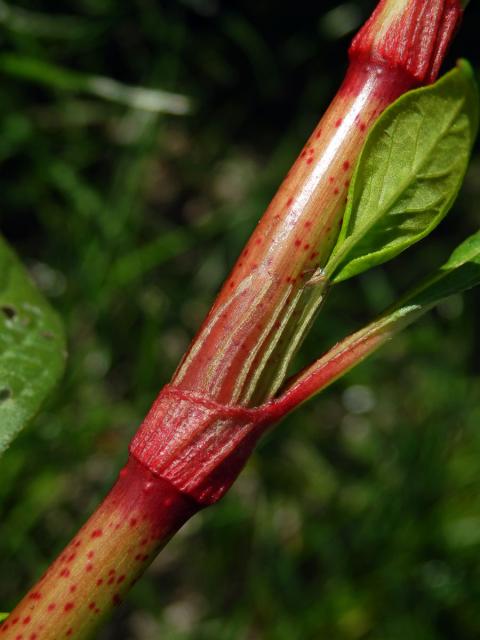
(242, 352)
(202, 428)
(103, 561)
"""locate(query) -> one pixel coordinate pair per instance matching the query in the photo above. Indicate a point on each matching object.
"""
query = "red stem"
(193, 442)
(104, 560)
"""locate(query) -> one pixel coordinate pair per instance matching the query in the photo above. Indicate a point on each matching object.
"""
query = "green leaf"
(408, 174)
(3, 616)
(459, 273)
(32, 347)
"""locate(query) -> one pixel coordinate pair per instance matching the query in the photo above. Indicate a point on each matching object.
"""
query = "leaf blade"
(32, 347)
(408, 174)
(460, 273)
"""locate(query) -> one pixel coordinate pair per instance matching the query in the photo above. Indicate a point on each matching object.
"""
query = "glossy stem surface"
(243, 349)
(240, 353)
(103, 561)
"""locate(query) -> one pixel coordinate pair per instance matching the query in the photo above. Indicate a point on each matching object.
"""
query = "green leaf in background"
(62, 79)
(408, 174)
(3, 616)
(32, 347)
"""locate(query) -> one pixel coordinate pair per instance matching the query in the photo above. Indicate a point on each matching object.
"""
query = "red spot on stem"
(68, 606)
(51, 606)
(338, 123)
(64, 573)
(27, 619)
(97, 533)
(346, 165)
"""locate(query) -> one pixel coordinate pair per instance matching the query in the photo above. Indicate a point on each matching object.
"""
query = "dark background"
(359, 518)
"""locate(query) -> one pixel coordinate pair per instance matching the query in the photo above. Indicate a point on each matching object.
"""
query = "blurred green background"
(359, 517)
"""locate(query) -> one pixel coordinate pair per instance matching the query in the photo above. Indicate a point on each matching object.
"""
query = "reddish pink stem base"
(105, 558)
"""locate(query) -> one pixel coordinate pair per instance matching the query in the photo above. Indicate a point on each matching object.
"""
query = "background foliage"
(360, 516)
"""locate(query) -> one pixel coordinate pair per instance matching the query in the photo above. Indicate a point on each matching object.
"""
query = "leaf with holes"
(408, 174)
(32, 347)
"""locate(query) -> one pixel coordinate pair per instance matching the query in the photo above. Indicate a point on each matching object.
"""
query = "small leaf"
(3, 616)
(408, 174)
(32, 347)
(459, 273)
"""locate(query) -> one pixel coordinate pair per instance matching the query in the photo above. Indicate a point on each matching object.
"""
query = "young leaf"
(459, 273)
(32, 347)
(408, 174)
